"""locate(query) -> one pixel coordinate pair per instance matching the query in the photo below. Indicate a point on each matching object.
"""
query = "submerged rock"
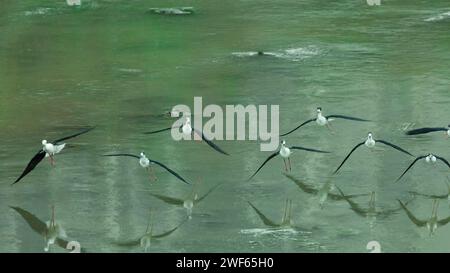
(173, 11)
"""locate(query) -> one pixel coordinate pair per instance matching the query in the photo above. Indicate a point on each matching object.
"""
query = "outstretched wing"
(304, 123)
(303, 186)
(158, 131)
(34, 222)
(443, 160)
(209, 142)
(394, 146)
(129, 155)
(265, 220)
(351, 152)
(264, 163)
(206, 194)
(308, 149)
(31, 165)
(410, 166)
(417, 222)
(72, 136)
(169, 170)
(168, 200)
(346, 117)
(425, 130)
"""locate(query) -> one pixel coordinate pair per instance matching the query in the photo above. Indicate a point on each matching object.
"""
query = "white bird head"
(283, 142)
(370, 135)
(142, 154)
(319, 110)
(44, 142)
(188, 120)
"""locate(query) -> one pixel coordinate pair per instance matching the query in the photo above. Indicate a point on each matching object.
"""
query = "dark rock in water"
(173, 11)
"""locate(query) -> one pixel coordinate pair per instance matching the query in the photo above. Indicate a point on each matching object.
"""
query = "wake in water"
(439, 17)
(281, 233)
(292, 54)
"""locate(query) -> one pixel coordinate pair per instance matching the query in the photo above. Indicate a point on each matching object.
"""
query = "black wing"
(169, 170)
(72, 136)
(265, 220)
(264, 163)
(393, 146)
(158, 131)
(410, 166)
(304, 123)
(130, 155)
(354, 149)
(308, 149)
(34, 222)
(346, 117)
(303, 186)
(443, 160)
(31, 165)
(425, 130)
(417, 222)
(206, 194)
(209, 142)
(168, 200)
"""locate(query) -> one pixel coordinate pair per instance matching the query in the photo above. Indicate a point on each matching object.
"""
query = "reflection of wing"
(425, 131)
(130, 243)
(167, 233)
(303, 186)
(72, 136)
(345, 159)
(430, 196)
(304, 123)
(209, 142)
(338, 197)
(32, 164)
(169, 200)
(355, 207)
(389, 212)
(265, 220)
(346, 117)
(34, 222)
(444, 221)
(169, 170)
(264, 163)
(417, 222)
(393, 146)
(410, 166)
(206, 194)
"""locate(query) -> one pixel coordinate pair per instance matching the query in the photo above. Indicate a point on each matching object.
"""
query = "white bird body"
(51, 149)
(321, 120)
(430, 158)
(370, 142)
(187, 128)
(285, 152)
(144, 161)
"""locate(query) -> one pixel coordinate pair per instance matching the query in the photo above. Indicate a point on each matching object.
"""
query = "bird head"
(370, 135)
(44, 142)
(142, 154)
(283, 142)
(188, 120)
(319, 109)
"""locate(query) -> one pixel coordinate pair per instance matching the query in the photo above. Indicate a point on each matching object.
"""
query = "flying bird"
(430, 158)
(427, 130)
(322, 120)
(147, 163)
(145, 240)
(285, 152)
(51, 230)
(188, 202)
(431, 223)
(49, 149)
(370, 143)
(187, 129)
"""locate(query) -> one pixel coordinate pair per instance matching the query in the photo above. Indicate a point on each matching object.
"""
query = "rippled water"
(116, 66)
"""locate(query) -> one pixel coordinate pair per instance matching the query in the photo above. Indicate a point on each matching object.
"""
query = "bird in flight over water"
(49, 149)
(322, 120)
(187, 129)
(370, 143)
(427, 130)
(429, 158)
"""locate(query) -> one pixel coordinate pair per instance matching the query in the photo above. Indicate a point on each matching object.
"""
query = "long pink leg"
(285, 166)
(52, 160)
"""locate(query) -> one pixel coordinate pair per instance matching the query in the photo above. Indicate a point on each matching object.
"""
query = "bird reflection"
(286, 220)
